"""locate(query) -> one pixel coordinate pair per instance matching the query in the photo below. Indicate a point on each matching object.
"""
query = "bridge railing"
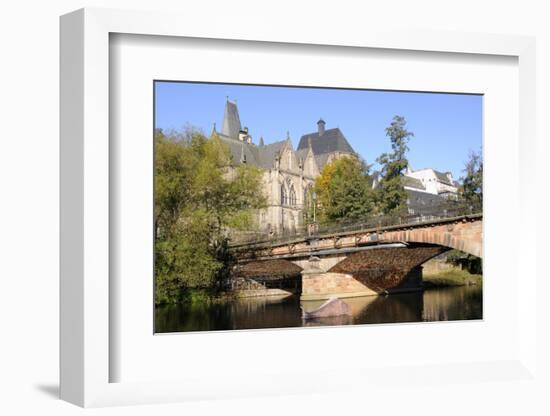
(313, 230)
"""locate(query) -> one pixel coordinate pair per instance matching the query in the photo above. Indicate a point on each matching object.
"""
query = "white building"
(432, 182)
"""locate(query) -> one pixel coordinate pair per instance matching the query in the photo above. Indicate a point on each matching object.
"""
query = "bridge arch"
(268, 269)
(463, 236)
(403, 259)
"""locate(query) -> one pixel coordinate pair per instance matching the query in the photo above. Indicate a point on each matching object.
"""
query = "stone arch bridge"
(359, 261)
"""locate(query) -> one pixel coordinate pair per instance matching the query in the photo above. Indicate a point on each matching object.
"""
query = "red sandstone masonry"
(464, 234)
(358, 274)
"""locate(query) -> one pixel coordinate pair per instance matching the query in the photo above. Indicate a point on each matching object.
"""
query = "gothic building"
(288, 173)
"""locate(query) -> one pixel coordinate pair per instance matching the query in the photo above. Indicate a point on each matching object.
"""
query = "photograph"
(297, 206)
(269, 208)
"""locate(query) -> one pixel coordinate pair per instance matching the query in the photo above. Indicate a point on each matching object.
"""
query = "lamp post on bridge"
(314, 197)
(313, 226)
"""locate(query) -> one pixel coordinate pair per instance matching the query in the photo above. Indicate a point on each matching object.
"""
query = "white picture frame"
(85, 217)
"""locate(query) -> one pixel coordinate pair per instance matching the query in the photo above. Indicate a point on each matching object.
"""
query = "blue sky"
(446, 126)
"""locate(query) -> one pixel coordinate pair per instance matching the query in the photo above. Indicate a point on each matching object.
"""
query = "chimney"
(321, 126)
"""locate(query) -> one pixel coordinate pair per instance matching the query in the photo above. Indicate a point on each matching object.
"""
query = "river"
(442, 304)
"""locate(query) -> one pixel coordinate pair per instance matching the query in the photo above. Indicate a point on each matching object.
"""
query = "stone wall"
(370, 283)
(244, 288)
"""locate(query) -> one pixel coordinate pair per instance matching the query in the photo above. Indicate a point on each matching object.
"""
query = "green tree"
(199, 196)
(391, 196)
(471, 190)
(344, 191)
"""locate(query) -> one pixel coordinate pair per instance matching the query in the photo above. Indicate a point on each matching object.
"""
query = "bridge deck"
(350, 230)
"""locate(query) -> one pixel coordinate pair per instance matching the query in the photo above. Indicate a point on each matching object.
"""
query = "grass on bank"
(452, 278)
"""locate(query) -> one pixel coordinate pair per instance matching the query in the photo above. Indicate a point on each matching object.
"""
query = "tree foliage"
(471, 190)
(344, 188)
(391, 195)
(344, 191)
(199, 195)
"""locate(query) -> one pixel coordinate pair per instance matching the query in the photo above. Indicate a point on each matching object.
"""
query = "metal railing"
(427, 215)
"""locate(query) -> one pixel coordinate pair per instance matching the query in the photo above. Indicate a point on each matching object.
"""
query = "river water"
(444, 304)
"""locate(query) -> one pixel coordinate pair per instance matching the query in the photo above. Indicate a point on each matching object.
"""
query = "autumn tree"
(199, 196)
(344, 191)
(390, 194)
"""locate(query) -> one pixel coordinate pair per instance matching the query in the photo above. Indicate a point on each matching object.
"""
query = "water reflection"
(458, 303)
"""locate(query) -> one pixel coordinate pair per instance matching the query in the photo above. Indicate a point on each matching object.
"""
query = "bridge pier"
(317, 283)
(325, 285)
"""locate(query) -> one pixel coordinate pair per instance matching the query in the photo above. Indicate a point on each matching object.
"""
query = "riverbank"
(202, 297)
(450, 278)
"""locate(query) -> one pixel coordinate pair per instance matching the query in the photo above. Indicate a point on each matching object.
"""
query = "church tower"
(231, 121)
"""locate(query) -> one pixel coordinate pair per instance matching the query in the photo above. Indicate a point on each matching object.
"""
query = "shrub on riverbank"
(200, 193)
(452, 278)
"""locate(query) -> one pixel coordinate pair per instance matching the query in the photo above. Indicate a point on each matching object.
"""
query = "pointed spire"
(214, 128)
(261, 141)
(309, 143)
(231, 121)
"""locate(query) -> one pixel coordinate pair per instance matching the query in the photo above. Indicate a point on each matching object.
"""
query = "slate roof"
(332, 140)
(261, 156)
(442, 177)
(413, 183)
(231, 121)
(268, 152)
(321, 160)
(238, 149)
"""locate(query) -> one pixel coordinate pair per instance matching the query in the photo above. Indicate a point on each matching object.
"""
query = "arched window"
(307, 196)
(284, 196)
(292, 196)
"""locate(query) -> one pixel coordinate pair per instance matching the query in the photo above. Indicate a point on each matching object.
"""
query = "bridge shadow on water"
(458, 303)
